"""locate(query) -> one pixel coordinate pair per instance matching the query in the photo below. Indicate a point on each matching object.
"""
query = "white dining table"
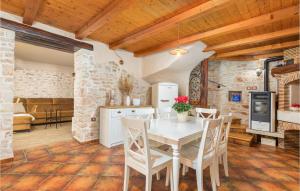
(175, 133)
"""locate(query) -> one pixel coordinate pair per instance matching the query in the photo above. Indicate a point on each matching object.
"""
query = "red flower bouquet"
(295, 105)
(182, 99)
(181, 104)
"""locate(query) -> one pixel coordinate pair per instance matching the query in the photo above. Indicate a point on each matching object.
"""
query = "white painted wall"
(157, 62)
(40, 54)
(103, 54)
(164, 67)
(180, 78)
(162, 61)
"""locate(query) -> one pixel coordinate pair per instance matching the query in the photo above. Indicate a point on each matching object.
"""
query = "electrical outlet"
(93, 119)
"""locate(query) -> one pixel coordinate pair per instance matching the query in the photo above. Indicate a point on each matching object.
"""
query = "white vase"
(127, 100)
(182, 117)
(136, 101)
(294, 109)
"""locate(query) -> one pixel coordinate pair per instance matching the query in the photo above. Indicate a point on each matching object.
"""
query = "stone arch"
(195, 85)
(198, 84)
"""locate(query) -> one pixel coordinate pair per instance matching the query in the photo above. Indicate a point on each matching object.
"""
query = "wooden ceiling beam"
(285, 69)
(242, 25)
(256, 39)
(112, 9)
(261, 48)
(164, 24)
(43, 38)
(31, 9)
(234, 58)
(262, 56)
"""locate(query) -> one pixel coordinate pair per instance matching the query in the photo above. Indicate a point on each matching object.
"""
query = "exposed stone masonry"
(43, 84)
(290, 130)
(285, 126)
(7, 45)
(283, 91)
(293, 53)
(85, 101)
(236, 76)
(93, 81)
(291, 140)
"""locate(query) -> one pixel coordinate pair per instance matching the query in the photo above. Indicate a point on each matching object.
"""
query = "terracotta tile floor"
(71, 166)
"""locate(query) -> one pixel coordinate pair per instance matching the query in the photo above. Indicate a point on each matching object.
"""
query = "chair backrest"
(205, 113)
(136, 146)
(224, 133)
(163, 113)
(210, 138)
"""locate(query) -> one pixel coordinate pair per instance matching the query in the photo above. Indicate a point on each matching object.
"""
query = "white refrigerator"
(164, 94)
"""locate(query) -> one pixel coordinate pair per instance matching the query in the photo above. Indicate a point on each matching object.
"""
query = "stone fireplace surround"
(287, 120)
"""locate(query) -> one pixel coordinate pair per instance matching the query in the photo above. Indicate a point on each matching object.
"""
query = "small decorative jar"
(136, 101)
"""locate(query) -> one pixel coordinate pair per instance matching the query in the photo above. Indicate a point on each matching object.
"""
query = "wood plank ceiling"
(232, 28)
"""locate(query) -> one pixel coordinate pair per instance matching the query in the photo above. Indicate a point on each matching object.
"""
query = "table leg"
(176, 166)
(46, 119)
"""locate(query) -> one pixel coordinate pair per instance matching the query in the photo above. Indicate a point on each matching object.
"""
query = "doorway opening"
(43, 96)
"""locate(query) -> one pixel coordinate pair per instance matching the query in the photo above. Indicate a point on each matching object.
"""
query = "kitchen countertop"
(124, 106)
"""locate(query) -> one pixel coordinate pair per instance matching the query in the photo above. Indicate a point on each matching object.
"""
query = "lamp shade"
(178, 51)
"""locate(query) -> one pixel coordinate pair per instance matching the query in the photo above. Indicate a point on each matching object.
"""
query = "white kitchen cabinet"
(111, 132)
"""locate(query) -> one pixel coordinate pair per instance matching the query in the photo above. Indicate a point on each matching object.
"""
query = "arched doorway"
(198, 85)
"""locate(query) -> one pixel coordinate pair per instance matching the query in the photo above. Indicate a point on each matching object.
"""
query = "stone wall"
(43, 82)
(285, 126)
(290, 130)
(291, 140)
(236, 76)
(7, 45)
(92, 83)
(292, 53)
(283, 88)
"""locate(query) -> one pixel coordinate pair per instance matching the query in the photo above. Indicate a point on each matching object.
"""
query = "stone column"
(7, 61)
(84, 123)
(92, 83)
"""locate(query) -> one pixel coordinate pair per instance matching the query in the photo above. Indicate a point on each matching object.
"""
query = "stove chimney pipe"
(266, 70)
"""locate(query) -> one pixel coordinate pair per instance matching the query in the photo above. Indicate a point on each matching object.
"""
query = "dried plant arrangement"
(125, 84)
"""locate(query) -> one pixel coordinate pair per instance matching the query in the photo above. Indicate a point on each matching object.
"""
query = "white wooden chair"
(201, 114)
(204, 113)
(163, 113)
(199, 158)
(149, 114)
(222, 146)
(139, 156)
